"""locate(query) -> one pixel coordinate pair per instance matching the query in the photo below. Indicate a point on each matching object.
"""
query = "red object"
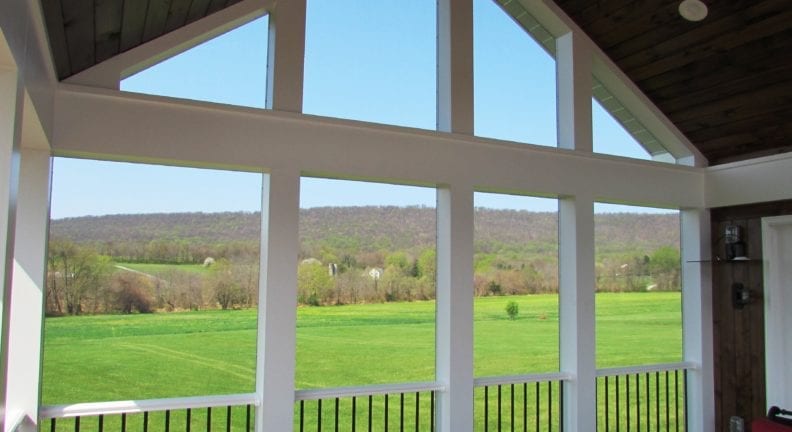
(765, 425)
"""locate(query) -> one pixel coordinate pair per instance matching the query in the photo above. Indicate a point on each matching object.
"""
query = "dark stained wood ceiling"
(84, 33)
(726, 82)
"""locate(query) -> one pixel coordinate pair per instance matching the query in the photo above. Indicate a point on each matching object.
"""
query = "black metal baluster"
(401, 412)
(512, 408)
(167, 420)
(319, 416)
(336, 414)
(228, 418)
(354, 412)
(537, 406)
(486, 408)
(417, 410)
(657, 400)
(77, 424)
(618, 413)
(371, 398)
(302, 416)
(550, 406)
(431, 411)
(145, 421)
(561, 406)
(189, 419)
(52, 424)
(123, 422)
(386, 411)
(676, 400)
(607, 406)
(209, 419)
(101, 423)
(499, 408)
(247, 419)
(638, 401)
(668, 414)
(648, 405)
(525, 407)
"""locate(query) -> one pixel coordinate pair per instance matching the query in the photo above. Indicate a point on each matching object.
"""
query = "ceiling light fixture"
(693, 10)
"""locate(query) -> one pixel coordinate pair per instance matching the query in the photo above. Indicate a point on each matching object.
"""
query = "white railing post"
(697, 318)
(28, 287)
(277, 310)
(573, 84)
(576, 321)
(11, 100)
(454, 335)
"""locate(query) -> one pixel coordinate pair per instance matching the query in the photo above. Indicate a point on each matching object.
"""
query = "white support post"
(573, 83)
(286, 56)
(11, 105)
(455, 66)
(454, 331)
(697, 318)
(28, 289)
(576, 299)
(277, 313)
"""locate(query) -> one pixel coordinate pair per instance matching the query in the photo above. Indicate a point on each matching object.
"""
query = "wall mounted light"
(735, 247)
(741, 295)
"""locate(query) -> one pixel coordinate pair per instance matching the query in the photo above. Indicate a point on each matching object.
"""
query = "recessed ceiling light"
(693, 10)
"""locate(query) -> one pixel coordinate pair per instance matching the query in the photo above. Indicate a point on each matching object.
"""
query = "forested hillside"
(516, 252)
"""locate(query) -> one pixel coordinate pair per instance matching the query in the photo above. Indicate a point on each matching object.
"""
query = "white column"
(286, 56)
(28, 288)
(455, 66)
(11, 100)
(454, 331)
(576, 299)
(697, 318)
(277, 310)
(573, 83)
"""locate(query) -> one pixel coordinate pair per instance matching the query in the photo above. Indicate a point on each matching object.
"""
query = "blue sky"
(371, 61)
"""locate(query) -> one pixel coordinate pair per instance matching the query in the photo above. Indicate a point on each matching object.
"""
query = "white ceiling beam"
(752, 181)
(110, 72)
(133, 127)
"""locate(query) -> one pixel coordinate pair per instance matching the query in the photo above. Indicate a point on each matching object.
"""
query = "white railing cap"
(146, 405)
(663, 367)
(339, 392)
(520, 379)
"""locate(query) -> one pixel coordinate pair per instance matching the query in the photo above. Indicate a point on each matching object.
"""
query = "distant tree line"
(347, 256)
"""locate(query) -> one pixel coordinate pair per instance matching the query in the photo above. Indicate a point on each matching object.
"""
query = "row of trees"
(82, 280)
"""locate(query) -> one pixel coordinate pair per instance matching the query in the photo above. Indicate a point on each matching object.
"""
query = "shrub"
(512, 309)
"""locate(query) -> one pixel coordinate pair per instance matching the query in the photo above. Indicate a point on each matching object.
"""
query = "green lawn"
(213, 352)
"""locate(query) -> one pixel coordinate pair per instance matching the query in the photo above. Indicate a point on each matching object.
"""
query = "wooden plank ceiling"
(84, 33)
(726, 82)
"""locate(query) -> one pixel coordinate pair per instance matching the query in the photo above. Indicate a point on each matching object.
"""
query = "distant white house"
(375, 273)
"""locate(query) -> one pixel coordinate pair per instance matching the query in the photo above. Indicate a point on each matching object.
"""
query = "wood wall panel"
(739, 343)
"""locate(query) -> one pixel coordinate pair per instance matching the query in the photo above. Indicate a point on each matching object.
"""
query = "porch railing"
(401, 407)
(205, 413)
(520, 402)
(643, 398)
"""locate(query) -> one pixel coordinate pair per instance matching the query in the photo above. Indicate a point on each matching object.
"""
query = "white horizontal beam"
(144, 128)
(147, 405)
(347, 392)
(753, 181)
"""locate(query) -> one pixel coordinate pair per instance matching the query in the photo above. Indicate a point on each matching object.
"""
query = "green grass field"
(118, 357)
(213, 352)
(154, 269)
